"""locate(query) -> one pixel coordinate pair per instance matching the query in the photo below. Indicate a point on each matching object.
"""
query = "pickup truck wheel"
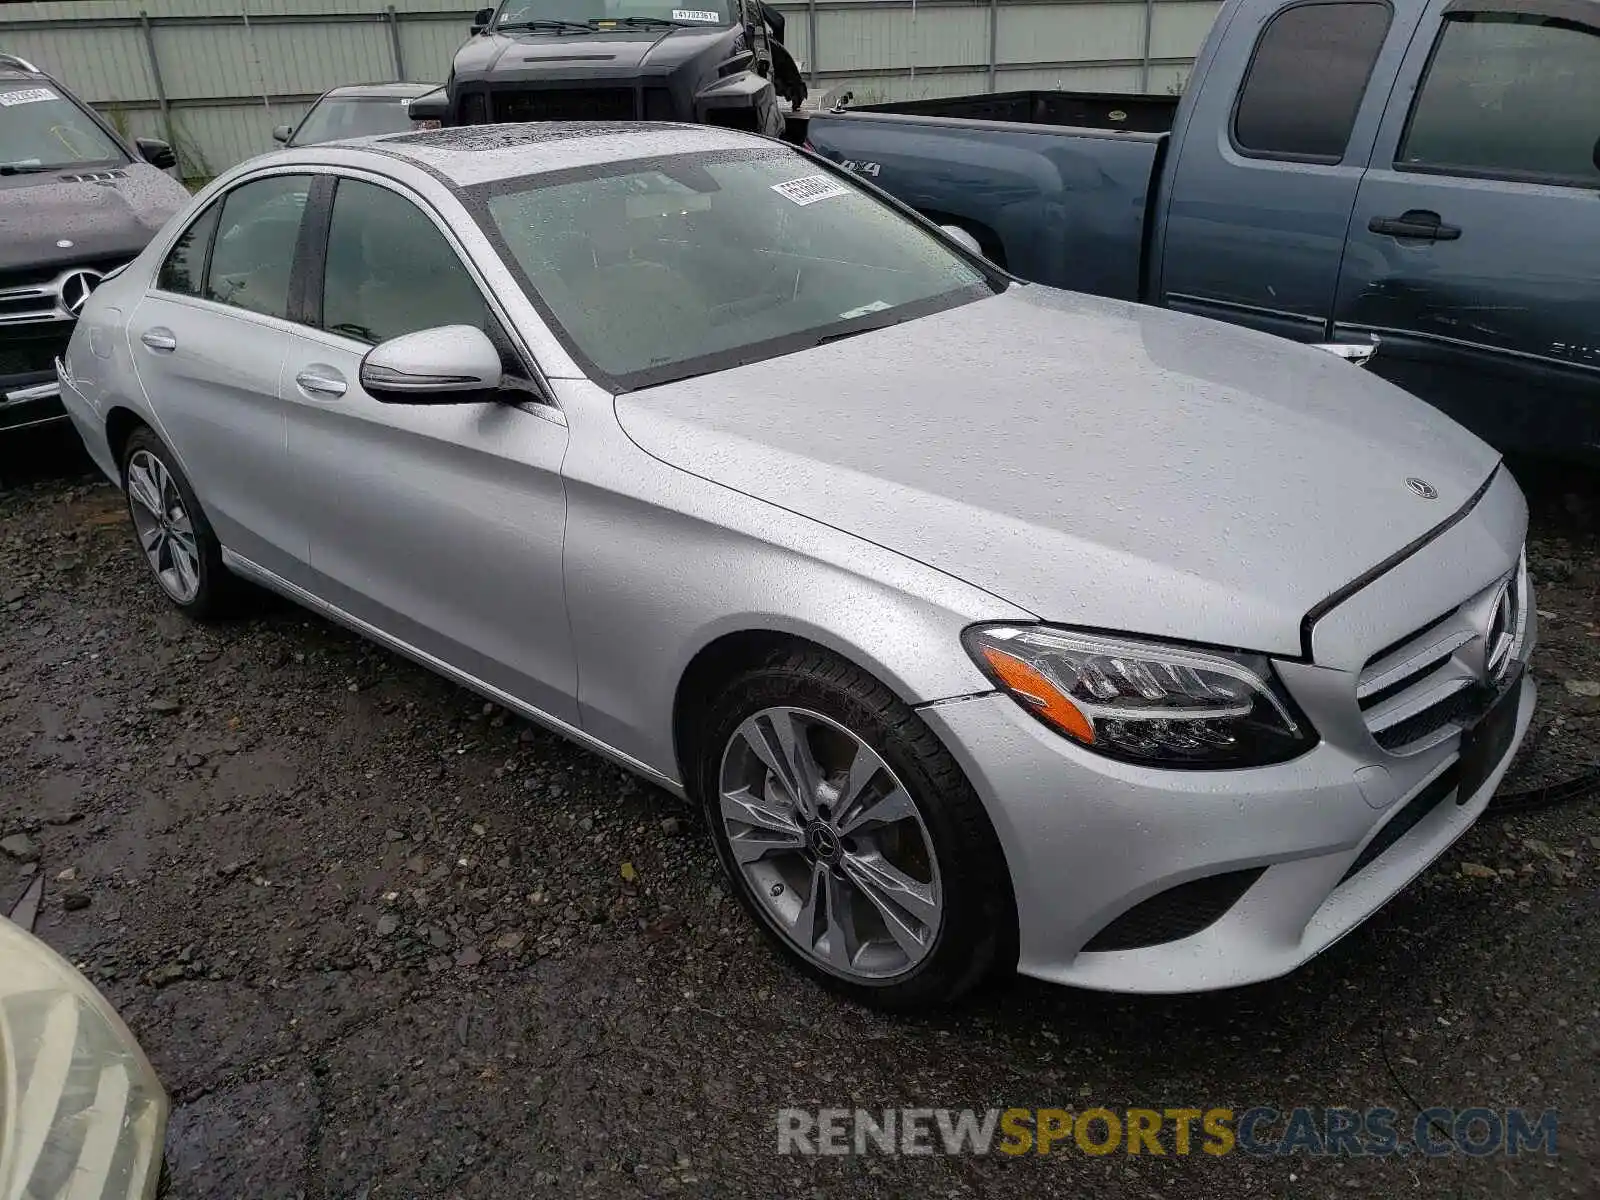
(851, 835)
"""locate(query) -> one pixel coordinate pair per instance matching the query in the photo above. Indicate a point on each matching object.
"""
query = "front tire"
(174, 537)
(851, 835)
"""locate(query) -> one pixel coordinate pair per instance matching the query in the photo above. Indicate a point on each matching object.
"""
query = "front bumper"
(28, 402)
(1087, 839)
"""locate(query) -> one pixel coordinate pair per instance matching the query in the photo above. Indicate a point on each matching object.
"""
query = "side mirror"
(962, 238)
(156, 152)
(450, 364)
(1596, 155)
(430, 106)
(481, 19)
(280, 133)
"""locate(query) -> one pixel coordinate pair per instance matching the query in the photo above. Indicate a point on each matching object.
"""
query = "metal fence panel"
(214, 76)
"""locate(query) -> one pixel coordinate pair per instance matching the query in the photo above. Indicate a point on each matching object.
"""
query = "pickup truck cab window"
(1509, 95)
(1288, 111)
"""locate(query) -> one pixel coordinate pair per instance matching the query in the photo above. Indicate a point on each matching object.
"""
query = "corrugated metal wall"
(216, 75)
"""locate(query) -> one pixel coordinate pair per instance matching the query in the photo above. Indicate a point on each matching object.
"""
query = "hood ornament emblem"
(74, 289)
(1422, 488)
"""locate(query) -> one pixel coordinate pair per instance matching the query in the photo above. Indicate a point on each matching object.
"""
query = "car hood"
(116, 212)
(1094, 462)
(536, 55)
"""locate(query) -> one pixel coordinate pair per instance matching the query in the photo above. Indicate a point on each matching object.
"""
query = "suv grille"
(28, 353)
(560, 104)
(1414, 693)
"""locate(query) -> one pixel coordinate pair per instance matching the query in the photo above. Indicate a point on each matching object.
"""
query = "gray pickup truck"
(1426, 171)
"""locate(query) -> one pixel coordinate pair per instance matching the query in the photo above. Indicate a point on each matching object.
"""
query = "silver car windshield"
(41, 129)
(657, 269)
(351, 117)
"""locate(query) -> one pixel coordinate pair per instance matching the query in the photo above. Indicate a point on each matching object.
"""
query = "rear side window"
(253, 258)
(1512, 96)
(184, 269)
(1306, 80)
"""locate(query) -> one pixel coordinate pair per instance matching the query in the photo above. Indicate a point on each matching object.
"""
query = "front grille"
(27, 352)
(1407, 819)
(1175, 913)
(39, 276)
(563, 104)
(1419, 691)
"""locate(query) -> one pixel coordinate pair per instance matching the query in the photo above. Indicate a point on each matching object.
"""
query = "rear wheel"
(851, 835)
(174, 537)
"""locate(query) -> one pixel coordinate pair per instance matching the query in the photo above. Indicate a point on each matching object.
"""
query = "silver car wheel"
(830, 843)
(163, 525)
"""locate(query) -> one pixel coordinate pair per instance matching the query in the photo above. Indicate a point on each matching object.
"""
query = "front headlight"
(1145, 702)
(82, 1114)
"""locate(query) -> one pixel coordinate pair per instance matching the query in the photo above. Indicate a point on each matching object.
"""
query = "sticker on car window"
(811, 188)
(875, 306)
(695, 14)
(27, 96)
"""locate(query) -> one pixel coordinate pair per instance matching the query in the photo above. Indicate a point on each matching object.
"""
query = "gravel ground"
(383, 940)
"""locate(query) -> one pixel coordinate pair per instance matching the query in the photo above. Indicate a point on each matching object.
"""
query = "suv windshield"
(42, 129)
(658, 269)
(677, 12)
(352, 117)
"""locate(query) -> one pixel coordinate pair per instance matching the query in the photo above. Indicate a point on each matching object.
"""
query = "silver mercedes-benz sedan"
(992, 625)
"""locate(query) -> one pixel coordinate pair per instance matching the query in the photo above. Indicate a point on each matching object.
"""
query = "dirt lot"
(381, 940)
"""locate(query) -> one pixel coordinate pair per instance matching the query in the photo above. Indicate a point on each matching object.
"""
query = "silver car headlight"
(82, 1113)
(1146, 702)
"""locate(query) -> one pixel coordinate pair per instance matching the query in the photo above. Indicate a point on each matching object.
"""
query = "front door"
(208, 342)
(1474, 248)
(438, 524)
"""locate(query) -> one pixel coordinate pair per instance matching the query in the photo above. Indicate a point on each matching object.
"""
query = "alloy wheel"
(163, 525)
(830, 843)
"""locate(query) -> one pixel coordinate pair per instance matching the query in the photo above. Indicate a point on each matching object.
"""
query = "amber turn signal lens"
(1032, 686)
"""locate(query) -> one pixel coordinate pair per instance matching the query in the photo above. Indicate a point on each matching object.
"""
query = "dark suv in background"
(77, 201)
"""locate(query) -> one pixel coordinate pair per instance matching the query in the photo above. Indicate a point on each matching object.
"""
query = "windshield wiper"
(869, 327)
(27, 168)
(645, 22)
(547, 23)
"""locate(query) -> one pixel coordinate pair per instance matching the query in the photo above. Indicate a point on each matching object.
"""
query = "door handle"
(321, 381)
(159, 339)
(1416, 223)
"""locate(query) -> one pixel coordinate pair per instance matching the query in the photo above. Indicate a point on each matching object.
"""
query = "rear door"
(208, 342)
(1475, 242)
(439, 524)
(1269, 161)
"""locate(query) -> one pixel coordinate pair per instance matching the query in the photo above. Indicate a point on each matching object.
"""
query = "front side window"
(1306, 81)
(536, 14)
(390, 271)
(42, 130)
(1516, 96)
(337, 118)
(658, 269)
(253, 258)
(183, 270)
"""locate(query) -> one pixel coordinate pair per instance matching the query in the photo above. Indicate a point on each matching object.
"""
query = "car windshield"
(659, 269)
(353, 117)
(41, 129)
(581, 12)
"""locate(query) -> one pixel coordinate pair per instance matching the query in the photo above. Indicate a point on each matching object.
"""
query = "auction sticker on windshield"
(695, 14)
(810, 189)
(27, 96)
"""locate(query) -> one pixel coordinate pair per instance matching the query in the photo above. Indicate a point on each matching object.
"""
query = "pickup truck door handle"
(159, 339)
(321, 381)
(1417, 223)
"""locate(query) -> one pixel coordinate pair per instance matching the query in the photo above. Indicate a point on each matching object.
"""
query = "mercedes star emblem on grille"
(1422, 488)
(75, 287)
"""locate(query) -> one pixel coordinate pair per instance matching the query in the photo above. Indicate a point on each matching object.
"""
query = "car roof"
(473, 154)
(377, 91)
(17, 75)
